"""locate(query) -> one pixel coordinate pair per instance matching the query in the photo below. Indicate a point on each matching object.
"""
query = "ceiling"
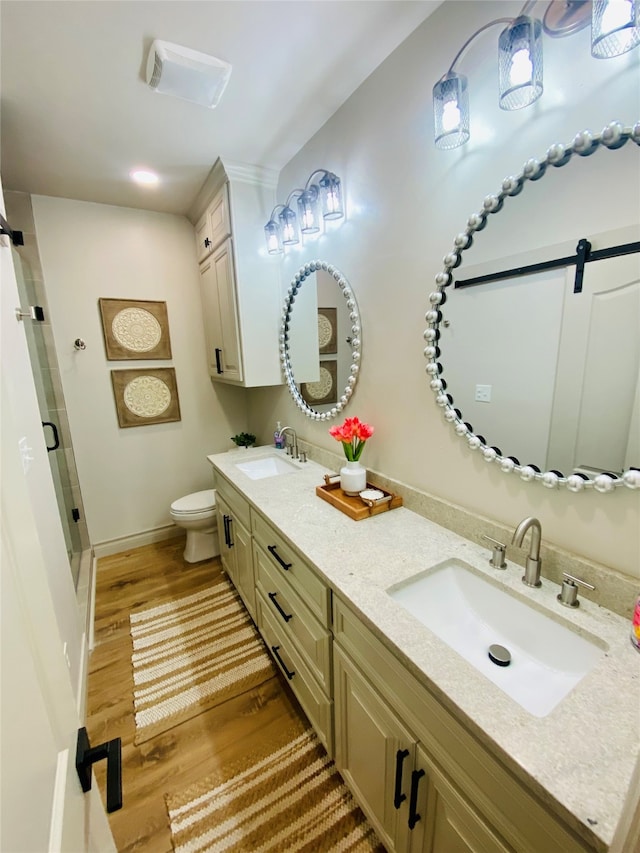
(77, 114)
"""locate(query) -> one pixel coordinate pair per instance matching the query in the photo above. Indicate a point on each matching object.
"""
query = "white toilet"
(196, 513)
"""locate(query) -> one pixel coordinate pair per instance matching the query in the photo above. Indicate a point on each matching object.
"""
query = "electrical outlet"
(483, 393)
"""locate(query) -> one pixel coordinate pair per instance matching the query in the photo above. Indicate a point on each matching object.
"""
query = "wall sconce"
(615, 29)
(284, 226)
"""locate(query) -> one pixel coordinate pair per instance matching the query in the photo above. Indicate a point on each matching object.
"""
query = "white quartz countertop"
(582, 754)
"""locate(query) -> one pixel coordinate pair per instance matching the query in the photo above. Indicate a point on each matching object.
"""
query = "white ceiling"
(77, 114)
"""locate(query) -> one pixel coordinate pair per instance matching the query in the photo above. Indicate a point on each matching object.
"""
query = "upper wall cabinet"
(214, 225)
(240, 287)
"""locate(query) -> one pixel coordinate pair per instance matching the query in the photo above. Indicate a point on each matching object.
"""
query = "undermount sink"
(535, 659)
(271, 465)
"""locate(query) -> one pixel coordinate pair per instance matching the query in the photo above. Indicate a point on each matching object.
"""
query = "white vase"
(353, 478)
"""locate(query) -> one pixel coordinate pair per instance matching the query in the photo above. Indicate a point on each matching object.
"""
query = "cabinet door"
(229, 330)
(374, 753)
(227, 554)
(245, 583)
(443, 820)
(218, 218)
(203, 238)
(217, 292)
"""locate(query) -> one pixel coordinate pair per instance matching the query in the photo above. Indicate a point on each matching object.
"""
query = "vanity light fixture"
(615, 29)
(316, 202)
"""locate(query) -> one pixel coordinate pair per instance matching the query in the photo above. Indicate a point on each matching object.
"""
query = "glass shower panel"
(52, 412)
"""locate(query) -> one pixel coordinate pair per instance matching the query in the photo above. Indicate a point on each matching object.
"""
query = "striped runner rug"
(191, 654)
(291, 799)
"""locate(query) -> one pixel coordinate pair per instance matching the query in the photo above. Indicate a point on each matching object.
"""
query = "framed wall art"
(324, 390)
(327, 330)
(135, 329)
(146, 396)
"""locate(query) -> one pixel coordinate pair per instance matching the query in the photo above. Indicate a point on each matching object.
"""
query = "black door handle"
(398, 796)
(56, 437)
(285, 616)
(85, 757)
(414, 817)
(218, 364)
(272, 550)
(289, 674)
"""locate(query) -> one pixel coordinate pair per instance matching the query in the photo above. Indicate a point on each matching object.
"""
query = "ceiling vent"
(187, 74)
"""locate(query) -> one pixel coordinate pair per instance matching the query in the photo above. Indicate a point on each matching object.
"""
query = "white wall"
(129, 477)
(406, 201)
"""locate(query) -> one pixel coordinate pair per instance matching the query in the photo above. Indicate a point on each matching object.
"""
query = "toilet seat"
(198, 502)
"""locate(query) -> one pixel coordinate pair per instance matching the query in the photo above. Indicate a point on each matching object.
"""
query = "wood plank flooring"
(184, 755)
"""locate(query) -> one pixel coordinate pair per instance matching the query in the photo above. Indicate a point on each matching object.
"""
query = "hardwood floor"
(184, 755)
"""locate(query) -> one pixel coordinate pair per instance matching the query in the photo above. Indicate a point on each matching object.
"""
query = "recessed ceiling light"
(144, 176)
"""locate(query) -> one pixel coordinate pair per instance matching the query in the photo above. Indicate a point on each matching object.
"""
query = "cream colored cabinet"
(293, 610)
(222, 334)
(409, 801)
(234, 533)
(214, 225)
(240, 287)
(426, 784)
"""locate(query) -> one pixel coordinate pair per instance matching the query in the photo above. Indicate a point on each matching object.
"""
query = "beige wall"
(129, 477)
(406, 201)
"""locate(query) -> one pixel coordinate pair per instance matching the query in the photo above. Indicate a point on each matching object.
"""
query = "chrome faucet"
(534, 563)
(294, 440)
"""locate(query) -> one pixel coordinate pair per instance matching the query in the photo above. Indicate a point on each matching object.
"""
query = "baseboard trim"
(137, 540)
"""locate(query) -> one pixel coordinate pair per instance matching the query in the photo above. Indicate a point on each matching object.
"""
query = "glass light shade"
(272, 236)
(331, 196)
(451, 111)
(289, 227)
(615, 27)
(520, 63)
(308, 211)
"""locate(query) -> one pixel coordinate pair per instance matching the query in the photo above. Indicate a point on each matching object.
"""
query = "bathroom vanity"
(438, 756)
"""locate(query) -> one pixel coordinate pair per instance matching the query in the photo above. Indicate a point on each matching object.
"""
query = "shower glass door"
(54, 417)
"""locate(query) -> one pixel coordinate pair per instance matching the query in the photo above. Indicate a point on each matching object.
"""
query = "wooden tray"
(355, 507)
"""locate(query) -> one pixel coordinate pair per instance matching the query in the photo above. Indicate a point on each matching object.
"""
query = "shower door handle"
(56, 437)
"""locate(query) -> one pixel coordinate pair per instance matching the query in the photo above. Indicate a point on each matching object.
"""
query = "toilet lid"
(197, 502)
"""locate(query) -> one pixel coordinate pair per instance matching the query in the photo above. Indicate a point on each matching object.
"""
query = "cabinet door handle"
(398, 796)
(56, 437)
(218, 351)
(285, 616)
(227, 530)
(230, 543)
(289, 675)
(272, 550)
(207, 242)
(414, 817)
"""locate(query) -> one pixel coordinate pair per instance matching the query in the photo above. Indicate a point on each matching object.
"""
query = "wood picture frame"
(135, 329)
(327, 331)
(145, 396)
(324, 391)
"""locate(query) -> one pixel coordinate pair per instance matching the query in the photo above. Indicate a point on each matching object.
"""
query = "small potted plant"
(244, 439)
(353, 435)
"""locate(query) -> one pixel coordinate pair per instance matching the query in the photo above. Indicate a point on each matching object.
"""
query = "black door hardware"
(398, 796)
(218, 351)
(289, 674)
(86, 755)
(56, 437)
(272, 550)
(414, 817)
(285, 616)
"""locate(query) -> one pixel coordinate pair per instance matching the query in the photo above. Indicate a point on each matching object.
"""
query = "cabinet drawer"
(237, 503)
(299, 574)
(296, 620)
(317, 706)
(504, 800)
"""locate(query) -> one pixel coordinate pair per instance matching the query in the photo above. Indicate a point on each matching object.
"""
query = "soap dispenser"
(278, 438)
